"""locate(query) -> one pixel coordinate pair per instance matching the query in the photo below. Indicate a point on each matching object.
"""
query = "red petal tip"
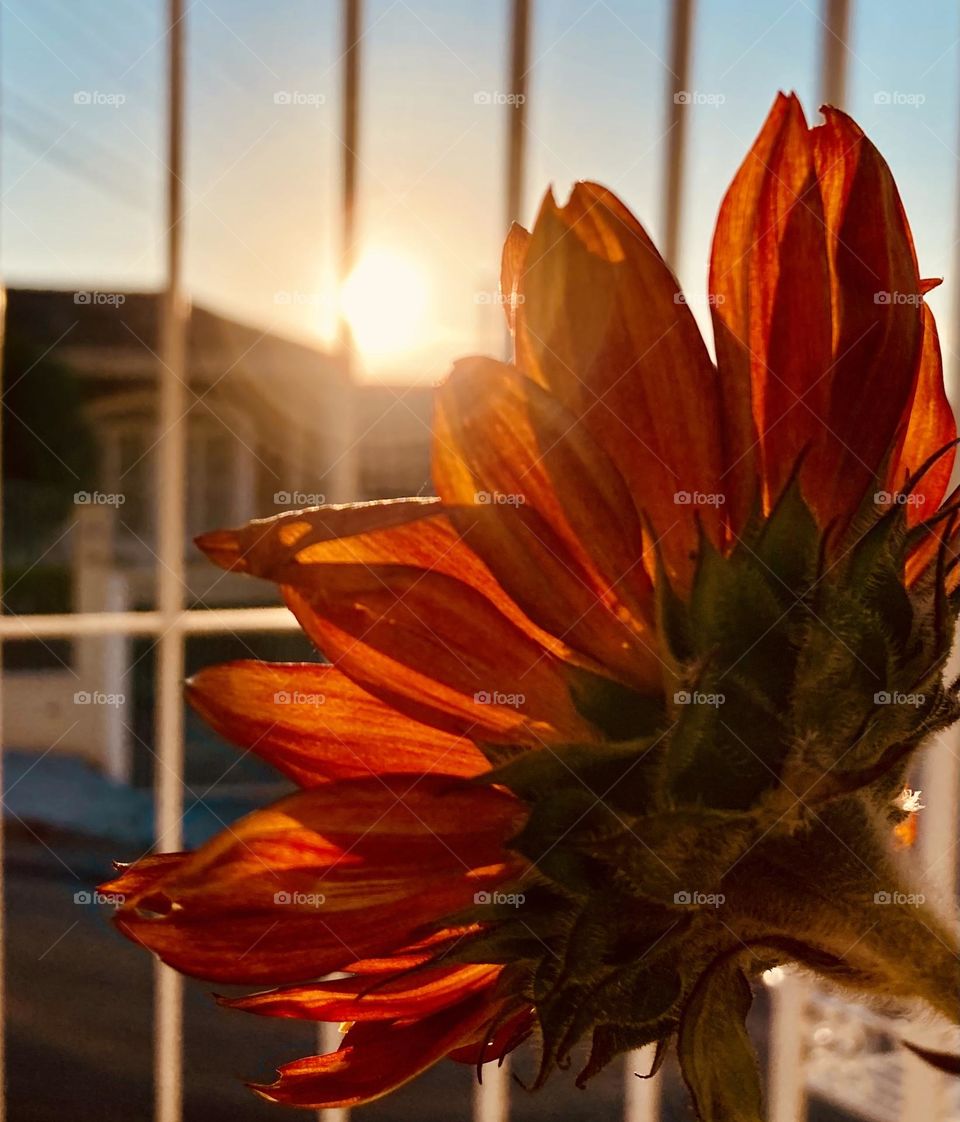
(221, 546)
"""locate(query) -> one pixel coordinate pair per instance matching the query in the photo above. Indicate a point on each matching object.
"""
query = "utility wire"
(67, 161)
(104, 154)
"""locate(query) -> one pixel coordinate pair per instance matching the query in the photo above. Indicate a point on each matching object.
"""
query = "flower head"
(624, 716)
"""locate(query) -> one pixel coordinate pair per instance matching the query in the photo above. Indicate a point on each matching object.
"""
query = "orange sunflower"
(624, 716)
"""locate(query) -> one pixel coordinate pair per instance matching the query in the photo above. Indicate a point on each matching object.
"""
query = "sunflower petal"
(434, 649)
(314, 724)
(570, 554)
(139, 878)
(484, 1048)
(325, 877)
(511, 266)
(418, 994)
(877, 320)
(293, 548)
(931, 427)
(770, 291)
(375, 1059)
(258, 546)
(604, 327)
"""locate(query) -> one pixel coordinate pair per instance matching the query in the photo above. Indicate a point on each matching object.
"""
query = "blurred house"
(393, 425)
(271, 424)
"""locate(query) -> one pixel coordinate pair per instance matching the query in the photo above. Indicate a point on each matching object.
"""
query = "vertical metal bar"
(352, 19)
(491, 1098)
(519, 54)
(342, 481)
(641, 1097)
(171, 526)
(329, 1040)
(517, 107)
(3, 910)
(834, 52)
(924, 1090)
(786, 1093)
(678, 103)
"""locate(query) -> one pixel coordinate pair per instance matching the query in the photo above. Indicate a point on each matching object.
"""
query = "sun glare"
(385, 301)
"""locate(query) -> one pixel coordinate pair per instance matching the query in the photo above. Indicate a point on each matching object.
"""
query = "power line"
(110, 55)
(104, 153)
(67, 161)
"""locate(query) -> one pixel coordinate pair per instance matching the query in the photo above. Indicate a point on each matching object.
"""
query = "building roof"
(89, 326)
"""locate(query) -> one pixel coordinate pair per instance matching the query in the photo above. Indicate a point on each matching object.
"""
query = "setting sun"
(385, 300)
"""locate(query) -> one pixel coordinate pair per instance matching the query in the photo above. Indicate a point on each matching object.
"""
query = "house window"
(220, 477)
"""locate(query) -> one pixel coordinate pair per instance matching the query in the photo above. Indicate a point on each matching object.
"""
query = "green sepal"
(622, 774)
(717, 1059)
(673, 622)
(725, 755)
(788, 545)
(681, 851)
(610, 1041)
(619, 712)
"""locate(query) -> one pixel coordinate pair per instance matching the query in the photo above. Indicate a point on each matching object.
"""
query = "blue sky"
(83, 182)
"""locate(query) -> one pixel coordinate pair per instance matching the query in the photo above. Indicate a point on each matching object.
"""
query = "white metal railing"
(169, 624)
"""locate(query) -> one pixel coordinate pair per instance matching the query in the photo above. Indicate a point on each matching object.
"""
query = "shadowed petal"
(877, 326)
(436, 650)
(931, 427)
(407, 610)
(484, 1048)
(139, 878)
(342, 872)
(603, 325)
(315, 725)
(550, 514)
(376, 1058)
(770, 291)
(360, 999)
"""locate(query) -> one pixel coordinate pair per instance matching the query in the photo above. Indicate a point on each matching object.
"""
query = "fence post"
(641, 1097)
